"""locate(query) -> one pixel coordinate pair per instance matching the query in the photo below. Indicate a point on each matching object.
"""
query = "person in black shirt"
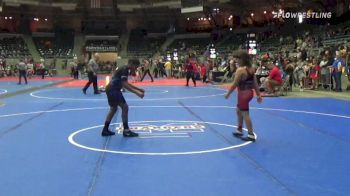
(189, 72)
(161, 70)
(146, 70)
(115, 97)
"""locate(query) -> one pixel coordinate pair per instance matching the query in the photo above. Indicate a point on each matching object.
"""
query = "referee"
(92, 68)
(22, 68)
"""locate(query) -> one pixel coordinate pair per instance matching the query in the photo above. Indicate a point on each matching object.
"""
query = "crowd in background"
(31, 67)
(304, 61)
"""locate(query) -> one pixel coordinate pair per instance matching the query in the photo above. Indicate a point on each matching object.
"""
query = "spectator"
(274, 80)
(315, 73)
(74, 69)
(160, 67)
(325, 73)
(289, 69)
(337, 69)
(190, 73)
(30, 68)
(168, 67)
(146, 70)
(299, 74)
(42, 68)
(203, 70)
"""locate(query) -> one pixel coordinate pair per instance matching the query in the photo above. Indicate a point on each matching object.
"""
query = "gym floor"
(50, 143)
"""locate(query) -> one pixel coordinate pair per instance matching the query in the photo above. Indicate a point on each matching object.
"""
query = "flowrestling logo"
(314, 15)
(169, 129)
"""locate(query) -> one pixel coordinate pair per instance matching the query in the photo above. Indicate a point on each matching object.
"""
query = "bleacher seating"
(13, 47)
(231, 43)
(197, 44)
(59, 46)
(335, 40)
(142, 46)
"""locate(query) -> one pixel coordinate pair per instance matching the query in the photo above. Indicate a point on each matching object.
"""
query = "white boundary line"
(160, 136)
(227, 107)
(73, 142)
(3, 91)
(165, 106)
(52, 111)
(33, 94)
(301, 111)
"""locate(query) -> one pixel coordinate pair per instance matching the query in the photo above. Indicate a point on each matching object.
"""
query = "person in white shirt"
(22, 68)
(42, 68)
(325, 72)
(92, 68)
(74, 69)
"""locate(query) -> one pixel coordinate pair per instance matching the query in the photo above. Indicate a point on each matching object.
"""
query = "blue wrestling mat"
(50, 144)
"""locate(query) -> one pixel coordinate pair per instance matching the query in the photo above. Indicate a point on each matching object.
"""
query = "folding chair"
(283, 89)
(329, 80)
(224, 77)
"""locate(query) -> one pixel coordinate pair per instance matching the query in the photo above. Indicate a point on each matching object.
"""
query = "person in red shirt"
(274, 79)
(203, 73)
(315, 73)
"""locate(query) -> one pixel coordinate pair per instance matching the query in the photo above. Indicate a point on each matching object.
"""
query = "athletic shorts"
(274, 83)
(115, 97)
(244, 97)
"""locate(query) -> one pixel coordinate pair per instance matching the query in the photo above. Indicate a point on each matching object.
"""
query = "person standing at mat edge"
(246, 81)
(189, 69)
(115, 97)
(146, 70)
(22, 69)
(92, 68)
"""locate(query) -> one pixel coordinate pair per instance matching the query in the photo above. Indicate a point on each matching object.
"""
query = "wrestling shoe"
(128, 133)
(238, 133)
(250, 137)
(107, 133)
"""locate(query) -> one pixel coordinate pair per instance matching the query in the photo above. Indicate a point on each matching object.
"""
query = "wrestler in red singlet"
(246, 81)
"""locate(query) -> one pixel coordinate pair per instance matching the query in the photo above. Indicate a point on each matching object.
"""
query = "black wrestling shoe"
(128, 133)
(97, 93)
(107, 133)
(84, 91)
(250, 137)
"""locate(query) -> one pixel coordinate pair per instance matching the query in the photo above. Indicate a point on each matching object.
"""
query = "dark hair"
(244, 57)
(134, 62)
